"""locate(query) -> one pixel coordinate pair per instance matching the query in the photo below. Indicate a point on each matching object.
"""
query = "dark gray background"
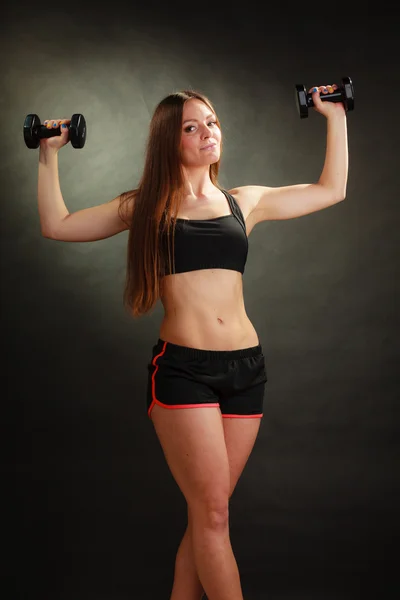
(99, 516)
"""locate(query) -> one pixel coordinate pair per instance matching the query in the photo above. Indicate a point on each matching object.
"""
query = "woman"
(188, 243)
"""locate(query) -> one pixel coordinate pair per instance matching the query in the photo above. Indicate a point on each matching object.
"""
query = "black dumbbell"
(344, 93)
(34, 131)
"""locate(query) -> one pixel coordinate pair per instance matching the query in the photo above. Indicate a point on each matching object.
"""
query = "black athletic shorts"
(182, 377)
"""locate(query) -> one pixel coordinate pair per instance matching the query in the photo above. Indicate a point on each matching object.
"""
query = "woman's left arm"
(288, 202)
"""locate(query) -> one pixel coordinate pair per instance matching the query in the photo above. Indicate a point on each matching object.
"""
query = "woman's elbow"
(47, 233)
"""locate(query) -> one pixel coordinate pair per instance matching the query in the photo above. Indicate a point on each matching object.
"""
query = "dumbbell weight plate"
(301, 100)
(349, 92)
(77, 131)
(31, 128)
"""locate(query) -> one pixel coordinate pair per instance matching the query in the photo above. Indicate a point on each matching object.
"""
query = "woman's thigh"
(193, 443)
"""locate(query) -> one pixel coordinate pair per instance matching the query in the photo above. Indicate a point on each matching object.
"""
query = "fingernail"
(315, 89)
(63, 126)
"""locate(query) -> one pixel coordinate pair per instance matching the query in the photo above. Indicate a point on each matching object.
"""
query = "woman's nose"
(206, 132)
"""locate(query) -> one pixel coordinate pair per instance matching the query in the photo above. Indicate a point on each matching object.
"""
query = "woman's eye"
(188, 129)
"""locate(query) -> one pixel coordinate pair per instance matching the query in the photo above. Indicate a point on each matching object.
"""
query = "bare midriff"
(205, 310)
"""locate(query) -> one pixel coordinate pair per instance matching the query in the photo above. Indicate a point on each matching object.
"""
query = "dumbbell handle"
(335, 96)
(44, 132)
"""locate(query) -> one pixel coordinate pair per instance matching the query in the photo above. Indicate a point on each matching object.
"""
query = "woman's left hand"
(326, 108)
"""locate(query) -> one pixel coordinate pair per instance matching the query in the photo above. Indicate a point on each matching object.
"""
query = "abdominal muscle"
(205, 310)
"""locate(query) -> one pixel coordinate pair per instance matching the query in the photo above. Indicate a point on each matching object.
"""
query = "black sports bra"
(218, 243)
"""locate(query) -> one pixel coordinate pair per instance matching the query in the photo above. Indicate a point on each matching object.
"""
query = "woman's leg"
(240, 437)
(187, 585)
(194, 447)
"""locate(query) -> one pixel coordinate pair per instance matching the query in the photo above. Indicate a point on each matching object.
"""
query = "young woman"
(187, 246)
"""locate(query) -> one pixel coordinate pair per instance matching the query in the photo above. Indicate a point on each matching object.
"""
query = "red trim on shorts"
(178, 406)
(153, 380)
(241, 416)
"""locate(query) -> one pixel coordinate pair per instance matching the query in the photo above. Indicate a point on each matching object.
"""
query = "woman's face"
(201, 136)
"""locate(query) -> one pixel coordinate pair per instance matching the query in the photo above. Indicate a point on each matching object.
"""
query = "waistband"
(196, 353)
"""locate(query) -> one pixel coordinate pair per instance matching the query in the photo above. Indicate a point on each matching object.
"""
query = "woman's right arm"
(57, 223)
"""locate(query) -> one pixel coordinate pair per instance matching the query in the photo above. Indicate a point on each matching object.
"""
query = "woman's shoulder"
(245, 197)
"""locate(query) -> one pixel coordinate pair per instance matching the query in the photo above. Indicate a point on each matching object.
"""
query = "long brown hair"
(156, 202)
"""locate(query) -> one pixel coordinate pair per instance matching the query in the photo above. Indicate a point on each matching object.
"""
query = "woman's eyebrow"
(187, 120)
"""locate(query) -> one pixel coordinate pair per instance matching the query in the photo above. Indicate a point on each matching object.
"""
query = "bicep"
(94, 223)
(289, 202)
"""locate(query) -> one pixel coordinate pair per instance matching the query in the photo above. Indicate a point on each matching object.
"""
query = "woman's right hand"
(58, 141)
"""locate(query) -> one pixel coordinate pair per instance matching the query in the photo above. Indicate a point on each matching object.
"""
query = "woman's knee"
(210, 512)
